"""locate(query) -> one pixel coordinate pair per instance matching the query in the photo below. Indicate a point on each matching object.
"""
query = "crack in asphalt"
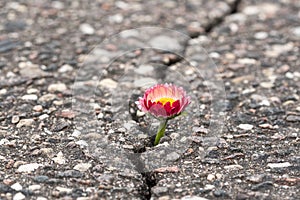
(149, 178)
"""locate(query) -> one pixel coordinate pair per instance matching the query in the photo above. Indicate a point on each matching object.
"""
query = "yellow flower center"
(165, 100)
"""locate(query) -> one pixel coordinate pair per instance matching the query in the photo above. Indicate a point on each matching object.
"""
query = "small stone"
(30, 97)
(63, 190)
(296, 31)
(211, 177)
(246, 127)
(127, 146)
(279, 165)
(83, 167)
(30, 70)
(57, 87)
(19, 196)
(269, 126)
(108, 83)
(293, 118)
(193, 198)
(87, 29)
(41, 179)
(65, 68)
(139, 113)
(247, 61)
(264, 185)
(289, 75)
(43, 117)
(220, 193)
(41, 198)
(159, 190)
(117, 18)
(34, 187)
(166, 43)
(59, 159)
(167, 169)
(3, 91)
(267, 84)
(76, 133)
(82, 143)
(38, 108)
(27, 168)
(15, 119)
(25, 122)
(173, 156)
(70, 173)
(209, 187)
(47, 97)
(260, 35)
(16, 186)
(66, 114)
(233, 167)
(32, 91)
(256, 178)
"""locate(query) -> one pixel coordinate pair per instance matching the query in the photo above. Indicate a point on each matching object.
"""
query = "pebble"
(47, 97)
(220, 193)
(296, 31)
(173, 156)
(16, 186)
(165, 43)
(193, 198)
(267, 84)
(3, 91)
(159, 190)
(43, 117)
(30, 97)
(41, 198)
(246, 127)
(19, 196)
(63, 190)
(71, 174)
(41, 179)
(59, 158)
(27, 168)
(15, 119)
(25, 122)
(76, 133)
(209, 187)
(108, 83)
(57, 87)
(263, 185)
(83, 167)
(65, 68)
(233, 167)
(87, 29)
(32, 91)
(260, 35)
(38, 108)
(28, 69)
(293, 118)
(279, 165)
(211, 177)
(117, 18)
(256, 178)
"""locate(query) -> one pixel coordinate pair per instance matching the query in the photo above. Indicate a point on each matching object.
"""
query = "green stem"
(161, 131)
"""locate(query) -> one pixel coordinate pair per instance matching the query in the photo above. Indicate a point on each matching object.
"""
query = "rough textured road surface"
(45, 154)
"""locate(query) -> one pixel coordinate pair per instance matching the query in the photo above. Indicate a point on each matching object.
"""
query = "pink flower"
(164, 101)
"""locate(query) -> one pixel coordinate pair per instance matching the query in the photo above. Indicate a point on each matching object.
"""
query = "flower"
(164, 101)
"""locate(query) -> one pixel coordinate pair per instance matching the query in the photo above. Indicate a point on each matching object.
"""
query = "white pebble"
(246, 126)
